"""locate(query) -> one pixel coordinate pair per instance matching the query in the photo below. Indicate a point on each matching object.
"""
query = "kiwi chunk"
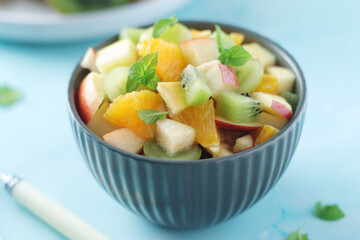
(194, 84)
(291, 98)
(154, 150)
(238, 108)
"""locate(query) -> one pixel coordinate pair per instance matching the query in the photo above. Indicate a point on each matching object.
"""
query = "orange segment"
(269, 84)
(122, 111)
(171, 63)
(238, 38)
(202, 119)
(265, 134)
(200, 34)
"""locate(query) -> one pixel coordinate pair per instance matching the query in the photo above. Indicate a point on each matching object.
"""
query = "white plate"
(33, 21)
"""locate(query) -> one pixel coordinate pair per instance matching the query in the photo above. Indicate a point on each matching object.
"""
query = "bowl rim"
(206, 24)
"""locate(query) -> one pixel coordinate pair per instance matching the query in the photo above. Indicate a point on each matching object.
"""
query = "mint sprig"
(328, 212)
(8, 96)
(143, 73)
(297, 236)
(150, 116)
(236, 55)
(161, 25)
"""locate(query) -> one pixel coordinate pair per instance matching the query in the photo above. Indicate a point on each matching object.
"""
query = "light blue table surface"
(36, 141)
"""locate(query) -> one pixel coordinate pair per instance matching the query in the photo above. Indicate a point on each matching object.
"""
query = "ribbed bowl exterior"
(191, 194)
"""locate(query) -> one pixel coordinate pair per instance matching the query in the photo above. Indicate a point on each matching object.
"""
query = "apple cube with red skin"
(274, 104)
(199, 51)
(243, 143)
(89, 60)
(206, 66)
(223, 123)
(221, 78)
(90, 96)
(125, 139)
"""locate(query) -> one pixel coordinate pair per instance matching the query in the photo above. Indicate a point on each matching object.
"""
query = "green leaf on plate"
(328, 212)
(297, 236)
(8, 96)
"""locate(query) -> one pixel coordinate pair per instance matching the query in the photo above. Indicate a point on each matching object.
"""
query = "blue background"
(36, 140)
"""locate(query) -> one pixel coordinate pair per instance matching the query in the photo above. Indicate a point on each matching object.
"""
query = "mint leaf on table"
(236, 55)
(297, 236)
(143, 73)
(151, 116)
(328, 212)
(8, 96)
(161, 25)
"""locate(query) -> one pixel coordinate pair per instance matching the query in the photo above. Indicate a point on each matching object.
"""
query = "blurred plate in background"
(33, 21)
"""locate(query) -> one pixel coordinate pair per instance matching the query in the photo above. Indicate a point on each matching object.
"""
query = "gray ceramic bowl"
(191, 194)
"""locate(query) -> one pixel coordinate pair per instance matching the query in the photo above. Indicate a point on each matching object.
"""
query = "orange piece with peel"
(122, 111)
(269, 84)
(170, 61)
(265, 134)
(202, 119)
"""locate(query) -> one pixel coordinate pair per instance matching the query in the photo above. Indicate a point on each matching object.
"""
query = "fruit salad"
(170, 92)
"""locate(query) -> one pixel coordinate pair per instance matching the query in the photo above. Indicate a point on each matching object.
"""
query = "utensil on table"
(51, 212)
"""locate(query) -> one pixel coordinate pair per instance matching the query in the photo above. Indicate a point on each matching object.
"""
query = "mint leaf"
(161, 25)
(151, 116)
(236, 56)
(219, 38)
(153, 83)
(297, 236)
(150, 60)
(8, 96)
(328, 212)
(132, 84)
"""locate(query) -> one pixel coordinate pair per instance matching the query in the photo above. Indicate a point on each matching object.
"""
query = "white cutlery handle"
(55, 215)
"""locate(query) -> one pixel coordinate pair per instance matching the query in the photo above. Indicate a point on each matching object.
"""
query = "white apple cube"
(89, 60)
(174, 136)
(206, 66)
(285, 77)
(274, 104)
(173, 95)
(199, 51)
(98, 124)
(90, 96)
(119, 53)
(268, 119)
(221, 78)
(125, 139)
(243, 143)
(260, 53)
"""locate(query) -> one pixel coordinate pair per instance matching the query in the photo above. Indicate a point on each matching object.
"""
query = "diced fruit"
(170, 61)
(249, 75)
(243, 143)
(199, 51)
(208, 65)
(98, 124)
(265, 134)
(195, 87)
(268, 119)
(125, 139)
(200, 34)
(174, 136)
(228, 42)
(173, 95)
(176, 34)
(226, 124)
(120, 53)
(225, 150)
(238, 38)
(259, 52)
(202, 119)
(132, 33)
(89, 60)
(229, 136)
(268, 84)
(237, 108)
(122, 111)
(274, 104)
(285, 77)
(291, 98)
(146, 35)
(90, 96)
(221, 78)
(115, 82)
(154, 150)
